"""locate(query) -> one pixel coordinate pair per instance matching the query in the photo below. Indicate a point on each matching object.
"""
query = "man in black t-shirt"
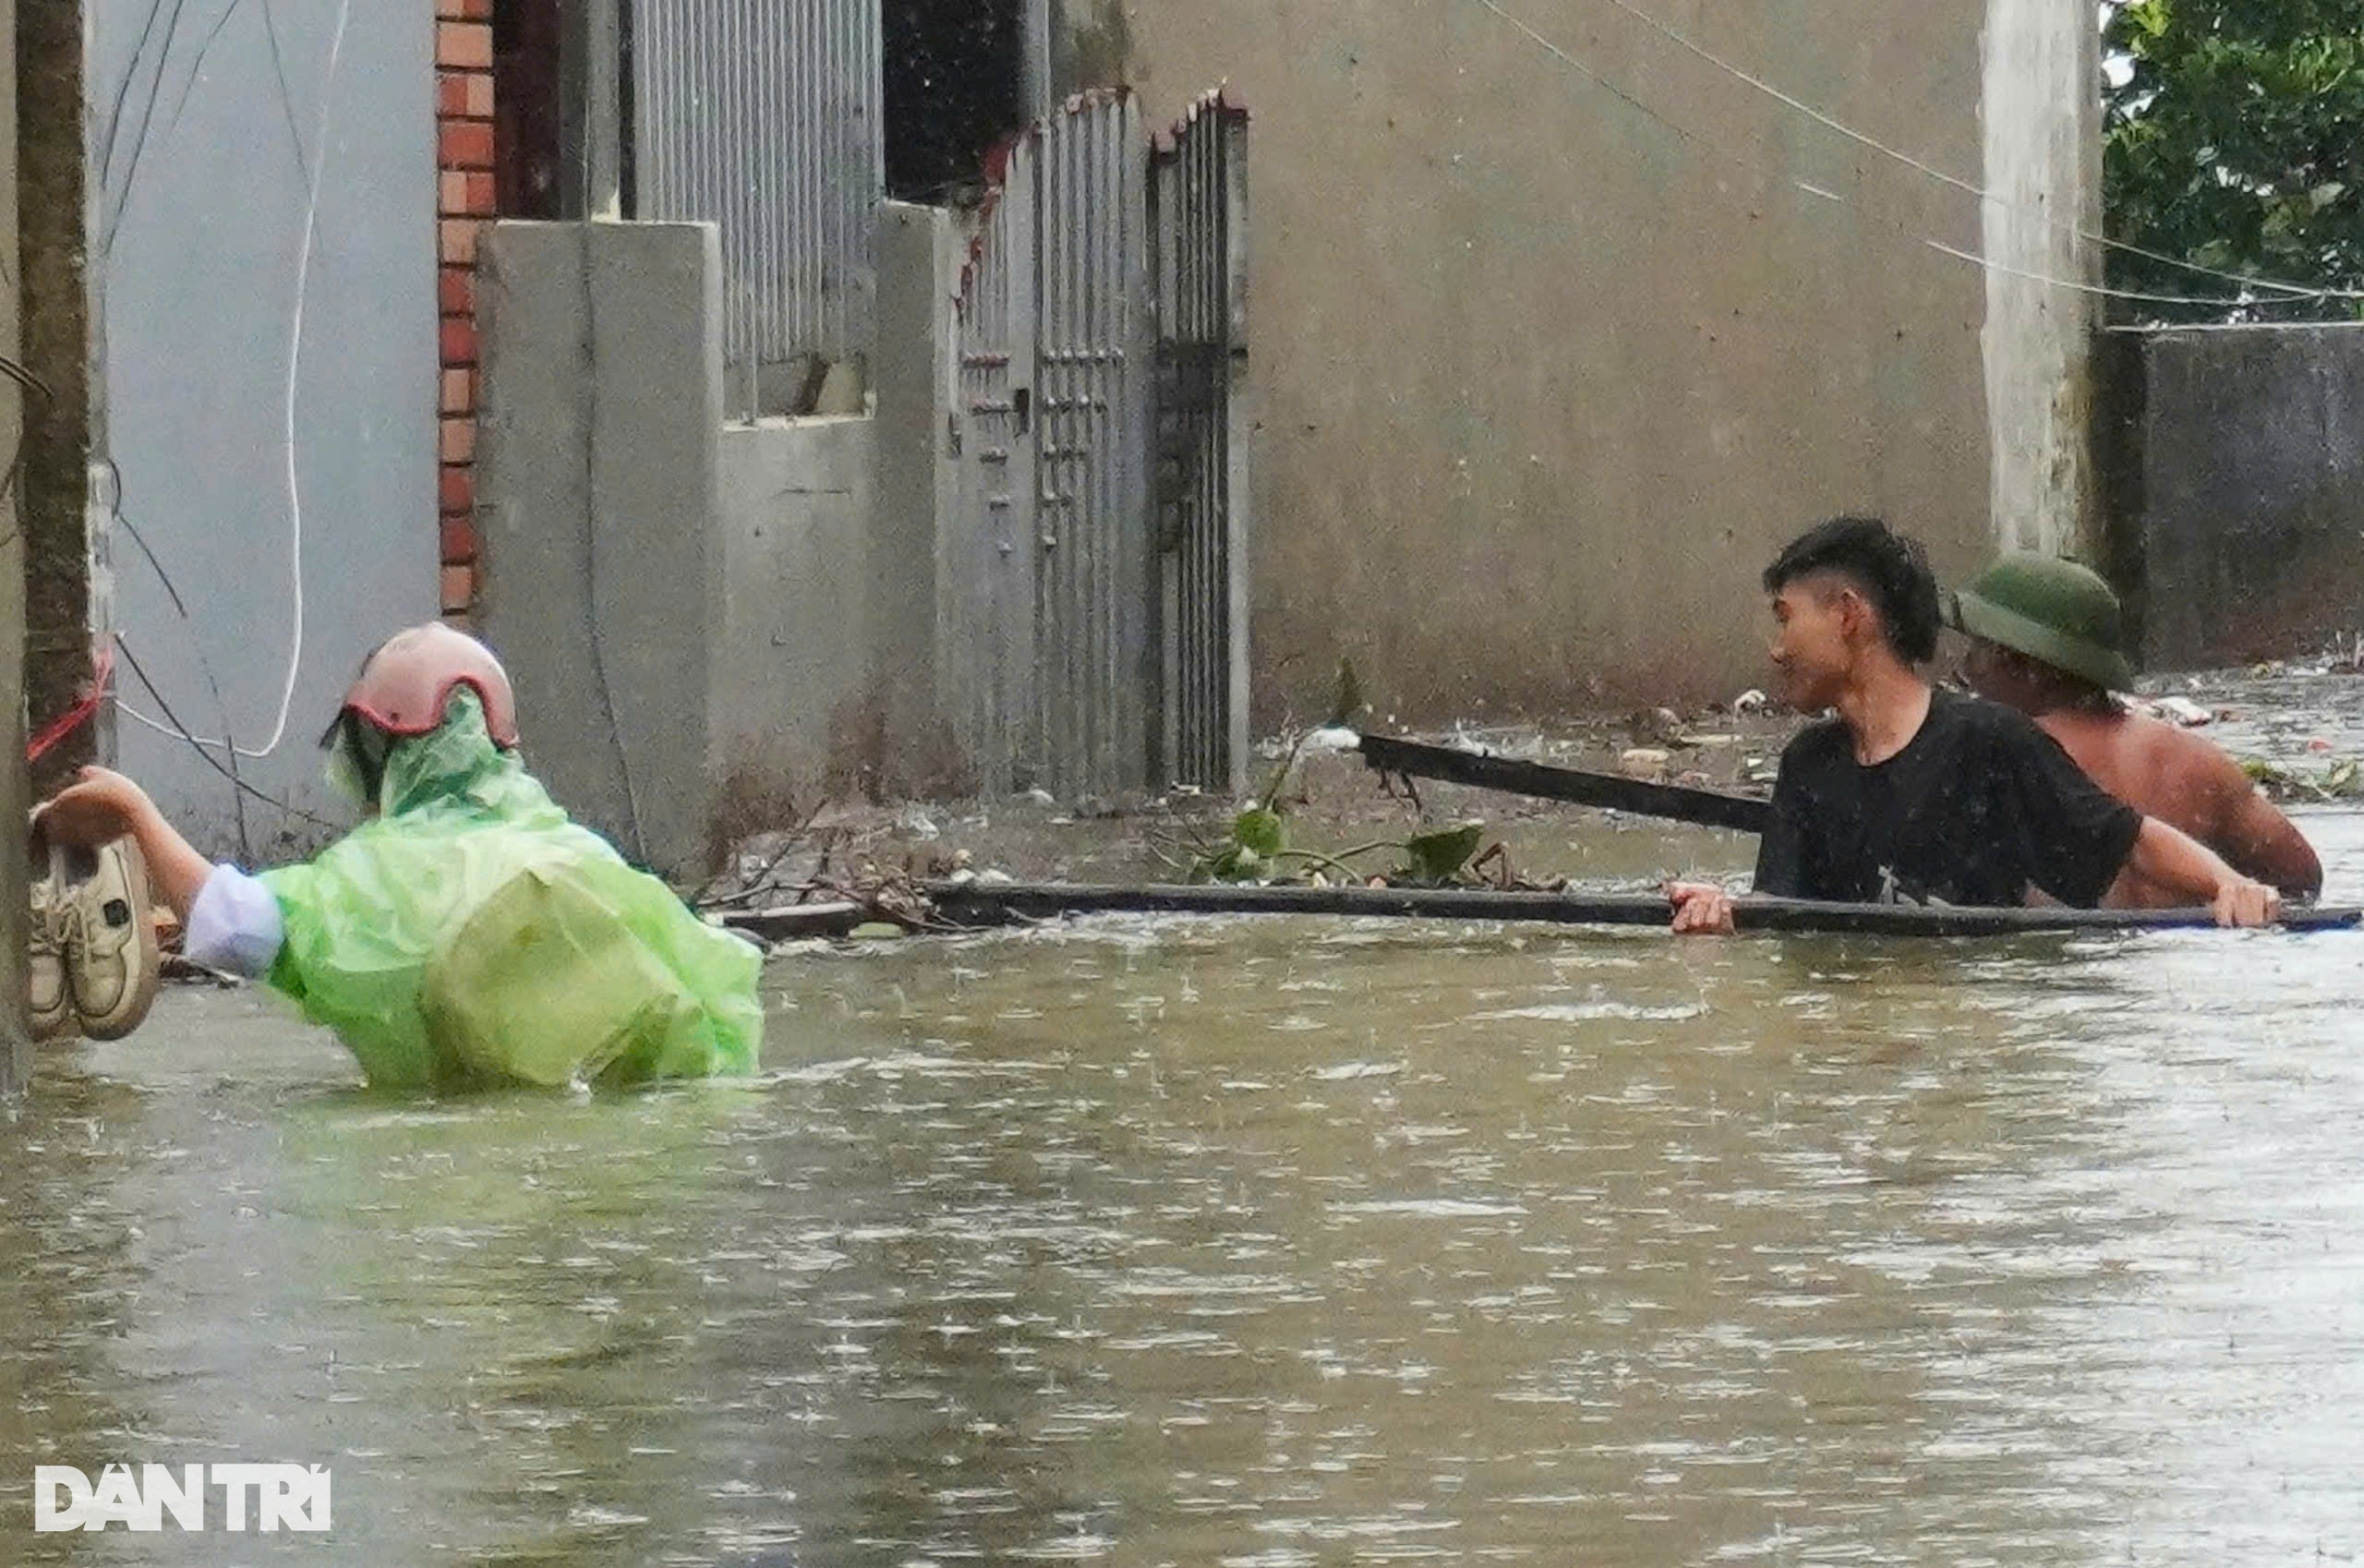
(1911, 794)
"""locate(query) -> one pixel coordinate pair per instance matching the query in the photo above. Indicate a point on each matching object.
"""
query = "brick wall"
(465, 204)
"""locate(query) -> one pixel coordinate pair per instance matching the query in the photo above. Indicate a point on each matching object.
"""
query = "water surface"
(1268, 1244)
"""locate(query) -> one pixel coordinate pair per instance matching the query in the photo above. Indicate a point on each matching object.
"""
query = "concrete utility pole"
(15, 412)
(55, 316)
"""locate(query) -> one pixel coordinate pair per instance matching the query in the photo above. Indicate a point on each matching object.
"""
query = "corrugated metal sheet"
(1093, 623)
(1199, 225)
(764, 117)
(988, 678)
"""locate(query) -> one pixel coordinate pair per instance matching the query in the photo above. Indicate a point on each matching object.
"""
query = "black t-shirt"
(1981, 805)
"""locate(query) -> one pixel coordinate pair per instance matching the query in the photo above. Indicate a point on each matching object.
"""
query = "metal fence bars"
(1198, 227)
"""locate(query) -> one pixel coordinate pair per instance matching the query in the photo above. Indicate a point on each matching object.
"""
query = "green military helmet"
(2054, 611)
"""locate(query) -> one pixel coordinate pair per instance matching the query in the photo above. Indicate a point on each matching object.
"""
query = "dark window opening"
(529, 52)
(955, 88)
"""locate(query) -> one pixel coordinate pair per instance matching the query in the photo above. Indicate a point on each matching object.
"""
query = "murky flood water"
(1259, 1244)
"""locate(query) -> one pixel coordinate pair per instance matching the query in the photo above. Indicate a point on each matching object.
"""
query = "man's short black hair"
(1886, 568)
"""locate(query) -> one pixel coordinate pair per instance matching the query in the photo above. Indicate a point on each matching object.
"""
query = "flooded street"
(1266, 1244)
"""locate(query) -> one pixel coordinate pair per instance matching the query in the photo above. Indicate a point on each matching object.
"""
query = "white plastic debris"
(1643, 762)
(1333, 738)
(1751, 701)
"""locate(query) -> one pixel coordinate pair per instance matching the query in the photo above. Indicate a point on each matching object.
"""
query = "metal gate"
(988, 669)
(1075, 643)
(1199, 225)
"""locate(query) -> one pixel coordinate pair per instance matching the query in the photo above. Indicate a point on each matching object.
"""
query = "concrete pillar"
(918, 260)
(15, 1053)
(599, 463)
(58, 311)
(2041, 120)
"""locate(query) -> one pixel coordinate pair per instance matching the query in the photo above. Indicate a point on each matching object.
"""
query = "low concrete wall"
(598, 483)
(793, 655)
(2235, 467)
(732, 570)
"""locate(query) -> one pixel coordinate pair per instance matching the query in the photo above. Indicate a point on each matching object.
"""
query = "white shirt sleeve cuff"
(235, 925)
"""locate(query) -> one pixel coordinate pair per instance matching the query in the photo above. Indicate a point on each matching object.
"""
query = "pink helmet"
(404, 686)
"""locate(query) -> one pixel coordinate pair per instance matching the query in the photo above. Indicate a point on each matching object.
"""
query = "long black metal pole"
(975, 904)
(1707, 807)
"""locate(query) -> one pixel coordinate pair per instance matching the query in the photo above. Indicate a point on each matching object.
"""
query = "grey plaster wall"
(210, 121)
(2237, 489)
(1541, 382)
(792, 664)
(599, 472)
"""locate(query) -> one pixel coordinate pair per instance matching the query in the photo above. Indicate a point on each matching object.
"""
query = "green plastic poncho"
(470, 934)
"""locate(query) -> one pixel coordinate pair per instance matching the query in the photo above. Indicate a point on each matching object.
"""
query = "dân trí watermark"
(250, 1497)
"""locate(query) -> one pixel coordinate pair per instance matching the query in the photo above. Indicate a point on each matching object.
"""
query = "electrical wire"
(210, 759)
(204, 665)
(1862, 139)
(295, 487)
(295, 365)
(122, 90)
(286, 98)
(147, 121)
(2076, 285)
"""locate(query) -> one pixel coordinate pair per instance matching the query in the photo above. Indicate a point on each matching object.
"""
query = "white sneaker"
(48, 1009)
(111, 963)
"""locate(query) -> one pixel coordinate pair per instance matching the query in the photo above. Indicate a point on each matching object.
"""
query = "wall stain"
(1095, 47)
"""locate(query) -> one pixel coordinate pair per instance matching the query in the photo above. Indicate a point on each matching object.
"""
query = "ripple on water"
(1084, 1247)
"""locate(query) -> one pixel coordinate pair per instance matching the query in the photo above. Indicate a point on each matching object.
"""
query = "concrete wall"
(793, 660)
(726, 568)
(598, 473)
(203, 182)
(1540, 383)
(2235, 490)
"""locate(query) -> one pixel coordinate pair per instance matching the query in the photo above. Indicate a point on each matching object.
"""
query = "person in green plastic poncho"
(468, 932)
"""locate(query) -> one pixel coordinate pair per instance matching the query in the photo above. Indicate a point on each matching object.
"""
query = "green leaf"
(1259, 832)
(1438, 857)
(2230, 141)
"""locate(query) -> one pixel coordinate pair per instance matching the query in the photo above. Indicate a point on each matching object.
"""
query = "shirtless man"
(2045, 639)
(1909, 793)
